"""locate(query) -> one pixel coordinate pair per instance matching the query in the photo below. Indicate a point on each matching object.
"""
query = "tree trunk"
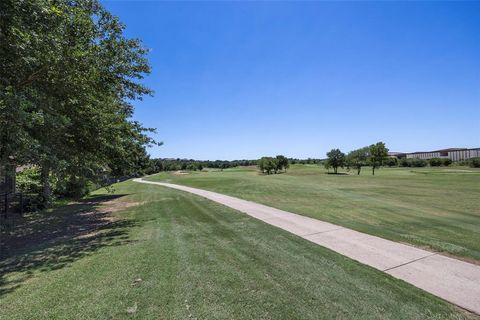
(45, 180)
(358, 170)
(373, 170)
(335, 170)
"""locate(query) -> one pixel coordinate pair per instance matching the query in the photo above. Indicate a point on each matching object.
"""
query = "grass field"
(165, 254)
(435, 208)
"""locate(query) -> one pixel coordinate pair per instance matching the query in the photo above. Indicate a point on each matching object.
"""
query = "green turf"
(196, 260)
(437, 208)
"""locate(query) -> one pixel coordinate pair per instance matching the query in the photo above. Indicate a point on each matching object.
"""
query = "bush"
(447, 162)
(404, 162)
(191, 167)
(474, 163)
(28, 181)
(416, 162)
(435, 162)
(73, 187)
(391, 162)
(413, 162)
(33, 203)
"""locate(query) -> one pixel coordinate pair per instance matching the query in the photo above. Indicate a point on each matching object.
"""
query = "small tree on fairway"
(282, 162)
(336, 158)
(378, 154)
(358, 158)
(267, 165)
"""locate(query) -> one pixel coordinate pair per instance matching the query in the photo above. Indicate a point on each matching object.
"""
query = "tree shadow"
(52, 240)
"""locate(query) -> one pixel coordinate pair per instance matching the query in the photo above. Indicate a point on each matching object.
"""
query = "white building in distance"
(454, 154)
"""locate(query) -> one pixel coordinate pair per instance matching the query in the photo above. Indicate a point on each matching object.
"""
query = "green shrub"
(413, 162)
(391, 162)
(33, 203)
(78, 187)
(447, 162)
(435, 162)
(474, 163)
(416, 162)
(71, 187)
(191, 167)
(404, 162)
(28, 181)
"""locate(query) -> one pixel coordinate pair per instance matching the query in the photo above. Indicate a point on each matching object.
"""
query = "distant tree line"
(435, 162)
(376, 155)
(159, 165)
(305, 161)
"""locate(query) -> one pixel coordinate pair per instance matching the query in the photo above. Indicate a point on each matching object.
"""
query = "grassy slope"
(199, 260)
(435, 208)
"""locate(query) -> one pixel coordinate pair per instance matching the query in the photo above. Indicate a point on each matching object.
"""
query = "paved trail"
(453, 280)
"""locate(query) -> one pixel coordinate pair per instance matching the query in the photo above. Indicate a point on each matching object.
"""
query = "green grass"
(196, 260)
(436, 208)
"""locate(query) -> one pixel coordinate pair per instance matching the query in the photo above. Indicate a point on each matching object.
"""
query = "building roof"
(450, 149)
(444, 150)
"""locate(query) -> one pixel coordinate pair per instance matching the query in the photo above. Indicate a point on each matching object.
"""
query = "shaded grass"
(436, 208)
(184, 257)
(47, 241)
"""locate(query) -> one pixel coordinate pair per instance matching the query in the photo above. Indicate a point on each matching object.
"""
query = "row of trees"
(437, 162)
(304, 161)
(68, 79)
(373, 155)
(158, 165)
(270, 165)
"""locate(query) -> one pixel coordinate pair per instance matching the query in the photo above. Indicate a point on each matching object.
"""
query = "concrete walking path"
(453, 280)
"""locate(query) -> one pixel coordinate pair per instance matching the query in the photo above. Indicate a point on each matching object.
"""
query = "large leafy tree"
(66, 89)
(267, 164)
(336, 159)
(282, 163)
(378, 154)
(358, 158)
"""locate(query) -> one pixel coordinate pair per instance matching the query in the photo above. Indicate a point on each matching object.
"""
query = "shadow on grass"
(52, 240)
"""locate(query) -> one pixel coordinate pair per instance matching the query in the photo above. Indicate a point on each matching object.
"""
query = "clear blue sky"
(237, 80)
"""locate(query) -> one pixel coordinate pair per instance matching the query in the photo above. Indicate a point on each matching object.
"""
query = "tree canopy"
(267, 164)
(68, 80)
(335, 159)
(358, 158)
(282, 163)
(270, 165)
(378, 154)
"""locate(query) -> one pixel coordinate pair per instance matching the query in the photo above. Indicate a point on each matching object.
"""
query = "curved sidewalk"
(453, 280)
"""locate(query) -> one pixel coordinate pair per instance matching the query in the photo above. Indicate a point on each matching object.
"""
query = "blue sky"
(236, 80)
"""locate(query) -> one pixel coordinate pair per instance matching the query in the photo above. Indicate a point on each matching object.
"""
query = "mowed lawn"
(165, 254)
(435, 208)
